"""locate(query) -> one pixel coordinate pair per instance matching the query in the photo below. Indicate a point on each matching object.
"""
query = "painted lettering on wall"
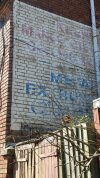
(32, 89)
(62, 28)
(26, 30)
(46, 104)
(65, 29)
(63, 78)
(61, 42)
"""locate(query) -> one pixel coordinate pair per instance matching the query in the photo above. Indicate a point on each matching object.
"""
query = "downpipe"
(95, 45)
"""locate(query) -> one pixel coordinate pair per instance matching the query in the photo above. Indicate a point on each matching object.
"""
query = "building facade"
(53, 67)
(47, 66)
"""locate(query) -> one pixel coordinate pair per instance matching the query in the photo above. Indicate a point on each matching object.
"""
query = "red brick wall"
(5, 81)
(78, 10)
(97, 9)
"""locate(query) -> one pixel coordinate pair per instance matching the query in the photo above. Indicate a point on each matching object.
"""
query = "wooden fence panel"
(72, 156)
(46, 159)
(24, 157)
(54, 157)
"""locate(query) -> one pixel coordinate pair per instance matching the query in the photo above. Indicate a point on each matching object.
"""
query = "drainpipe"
(95, 44)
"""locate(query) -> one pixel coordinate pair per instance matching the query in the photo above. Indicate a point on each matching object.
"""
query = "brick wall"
(5, 81)
(54, 71)
(46, 78)
(97, 10)
(77, 10)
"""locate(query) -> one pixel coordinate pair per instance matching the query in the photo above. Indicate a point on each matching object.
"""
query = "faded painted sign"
(54, 71)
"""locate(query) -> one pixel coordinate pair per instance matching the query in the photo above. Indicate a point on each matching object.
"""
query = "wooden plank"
(16, 164)
(52, 162)
(56, 162)
(86, 148)
(48, 154)
(18, 175)
(55, 167)
(39, 158)
(81, 147)
(77, 168)
(60, 156)
(67, 157)
(23, 164)
(49, 161)
(71, 155)
(33, 161)
(22, 160)
(26, 168)
(29, 163)
(25, 147)
(43, 161)
(52, 173)
(44, 143)
(36, 162)
(46, 159)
